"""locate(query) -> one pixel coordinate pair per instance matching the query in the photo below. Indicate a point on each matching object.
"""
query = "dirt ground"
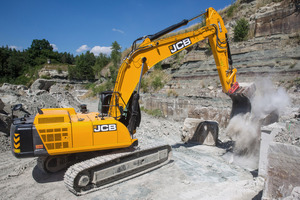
(195, 172)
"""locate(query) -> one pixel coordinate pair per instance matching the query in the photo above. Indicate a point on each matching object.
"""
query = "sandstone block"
(198, 131)
(42, 84)
(283, 170)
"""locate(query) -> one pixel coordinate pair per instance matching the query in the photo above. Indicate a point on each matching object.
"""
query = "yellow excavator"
(100, 148)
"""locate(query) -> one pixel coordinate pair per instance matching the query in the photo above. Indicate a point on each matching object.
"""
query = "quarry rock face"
(279, 19)
(272, 53)
(53, 73)
(181, 108)
(4, 119)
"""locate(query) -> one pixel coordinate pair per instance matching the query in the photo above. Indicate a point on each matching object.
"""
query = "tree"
(4, 55)
(21, 67)
(66, 58)
(84, 64)
(40, 48)
(241, 30)
(39, 52)
(15, 64)
(101, 61)
(116, 59)
(115, 53)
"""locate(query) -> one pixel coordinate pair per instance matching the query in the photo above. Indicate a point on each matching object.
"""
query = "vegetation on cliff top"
(21, 67)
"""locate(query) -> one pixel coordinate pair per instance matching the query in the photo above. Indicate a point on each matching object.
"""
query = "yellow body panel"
(79, 132)
(82, 129)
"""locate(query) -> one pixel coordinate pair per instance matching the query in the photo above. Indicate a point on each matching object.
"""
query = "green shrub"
(23, 80)
(67, 87)
(157, 83)
(154, 81)
(145, 85)
(173, 93)
(241, 30)
(158, 66)
(45, 77)
(97, 89)
(155, 112)
(59, 70)
(231, 9)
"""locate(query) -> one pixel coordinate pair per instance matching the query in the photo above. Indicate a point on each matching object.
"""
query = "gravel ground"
(195, 172)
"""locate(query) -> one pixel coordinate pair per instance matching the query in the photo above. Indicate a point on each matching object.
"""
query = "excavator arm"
(154, 49)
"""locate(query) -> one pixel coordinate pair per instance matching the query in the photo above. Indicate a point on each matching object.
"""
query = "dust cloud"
(244, 130)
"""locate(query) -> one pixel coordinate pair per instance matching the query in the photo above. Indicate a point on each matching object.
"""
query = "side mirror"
(17, 107)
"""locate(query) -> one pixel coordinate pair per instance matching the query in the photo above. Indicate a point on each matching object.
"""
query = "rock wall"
(282, 18)
(182, 107)
(272, 53)
(4, 118)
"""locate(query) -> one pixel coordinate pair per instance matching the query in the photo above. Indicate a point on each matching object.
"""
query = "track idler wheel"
(83, 180)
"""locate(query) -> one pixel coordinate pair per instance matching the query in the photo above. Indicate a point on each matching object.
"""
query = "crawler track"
(103, 171)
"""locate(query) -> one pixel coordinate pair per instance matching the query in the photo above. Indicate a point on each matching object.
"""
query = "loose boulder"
(196, 131)
(42, 84)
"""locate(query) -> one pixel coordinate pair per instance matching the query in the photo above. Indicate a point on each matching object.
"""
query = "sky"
(76, 26)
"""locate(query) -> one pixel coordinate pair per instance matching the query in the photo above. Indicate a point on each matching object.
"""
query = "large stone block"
(42, 84)
(283, 170)
(200, 132)
(268, 134)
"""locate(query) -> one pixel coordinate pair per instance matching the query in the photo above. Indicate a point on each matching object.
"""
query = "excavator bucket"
(241, 99)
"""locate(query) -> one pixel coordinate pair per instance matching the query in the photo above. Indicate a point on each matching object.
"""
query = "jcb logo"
(179, 45)
(105, 128)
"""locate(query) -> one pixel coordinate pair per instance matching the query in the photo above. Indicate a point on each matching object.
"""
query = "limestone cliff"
(272, 51)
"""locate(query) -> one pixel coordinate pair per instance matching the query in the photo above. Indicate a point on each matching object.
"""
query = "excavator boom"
(154, 49)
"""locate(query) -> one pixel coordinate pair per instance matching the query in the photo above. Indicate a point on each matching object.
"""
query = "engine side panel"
(64, 132)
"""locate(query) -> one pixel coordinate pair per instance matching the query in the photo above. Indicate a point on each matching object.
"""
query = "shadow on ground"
(42, 177)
